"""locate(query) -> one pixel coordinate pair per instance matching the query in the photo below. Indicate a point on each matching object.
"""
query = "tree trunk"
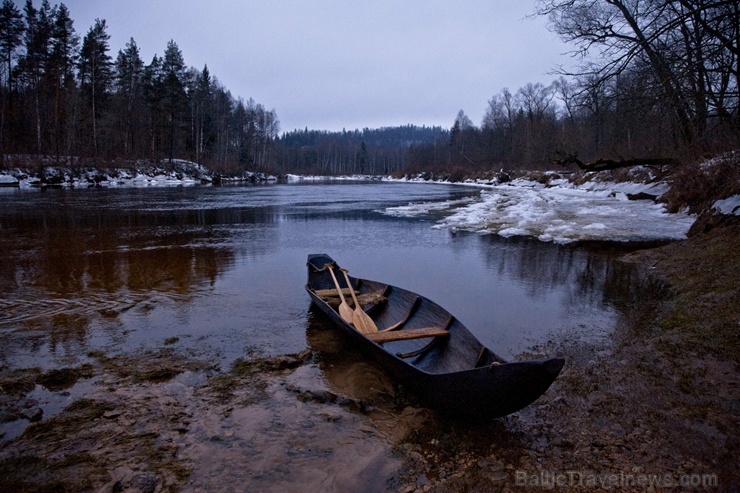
(664, 73)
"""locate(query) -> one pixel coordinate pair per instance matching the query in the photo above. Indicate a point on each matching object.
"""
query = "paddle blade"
(346, 313)
(363, 322)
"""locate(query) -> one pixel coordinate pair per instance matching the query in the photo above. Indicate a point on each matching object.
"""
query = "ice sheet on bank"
(561, 214)
(730, 205)
(417, 209)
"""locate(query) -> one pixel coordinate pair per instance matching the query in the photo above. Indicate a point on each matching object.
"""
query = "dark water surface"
(223, 269)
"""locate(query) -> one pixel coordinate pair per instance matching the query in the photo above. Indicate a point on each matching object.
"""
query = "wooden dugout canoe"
(427, 350)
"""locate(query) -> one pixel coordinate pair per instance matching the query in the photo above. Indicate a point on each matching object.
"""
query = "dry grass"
(703, 277)
(697, 186)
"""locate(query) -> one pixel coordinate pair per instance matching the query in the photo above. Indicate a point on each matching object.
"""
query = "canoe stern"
(492, 391)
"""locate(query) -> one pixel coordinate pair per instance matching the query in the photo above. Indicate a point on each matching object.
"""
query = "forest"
(655, 79)
(67, 97)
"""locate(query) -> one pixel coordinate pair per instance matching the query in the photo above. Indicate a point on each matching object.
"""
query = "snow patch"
(730, 205)
(563, 213)
(8, 180)
(175, 173)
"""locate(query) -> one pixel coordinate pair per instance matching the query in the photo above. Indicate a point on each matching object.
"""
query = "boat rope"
(326, 266)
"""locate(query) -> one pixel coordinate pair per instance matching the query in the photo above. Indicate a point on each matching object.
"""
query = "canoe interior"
(459, 352)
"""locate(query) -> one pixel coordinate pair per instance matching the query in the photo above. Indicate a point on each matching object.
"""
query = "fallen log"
(603, 164)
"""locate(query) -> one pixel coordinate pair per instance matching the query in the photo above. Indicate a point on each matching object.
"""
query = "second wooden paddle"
(360, 319)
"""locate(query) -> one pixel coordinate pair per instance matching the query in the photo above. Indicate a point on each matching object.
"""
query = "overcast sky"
(333, 64)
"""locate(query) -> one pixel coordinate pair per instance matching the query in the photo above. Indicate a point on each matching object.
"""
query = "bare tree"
(690, 47)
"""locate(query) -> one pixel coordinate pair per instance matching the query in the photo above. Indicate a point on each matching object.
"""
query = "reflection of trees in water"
(71, 265)
(69, 247)
(58, 273)
(178, 269)
(61, 286)
(591, 275)
(71, 258)
(68, 328)
(621, 283)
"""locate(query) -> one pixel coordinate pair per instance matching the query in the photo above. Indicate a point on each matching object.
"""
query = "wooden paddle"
(360, 319)
(344, 310)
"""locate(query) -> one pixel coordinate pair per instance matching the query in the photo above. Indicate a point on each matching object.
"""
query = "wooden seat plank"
(407, 334)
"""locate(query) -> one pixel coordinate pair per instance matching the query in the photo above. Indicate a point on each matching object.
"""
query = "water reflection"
(566, 291)
(347, 371)
(592, 274)
(87, 266)
(69, 269)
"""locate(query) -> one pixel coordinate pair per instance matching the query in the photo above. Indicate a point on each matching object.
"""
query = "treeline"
(63, 95)
(657, 79)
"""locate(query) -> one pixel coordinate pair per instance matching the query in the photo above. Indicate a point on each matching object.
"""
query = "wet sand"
(657, 402)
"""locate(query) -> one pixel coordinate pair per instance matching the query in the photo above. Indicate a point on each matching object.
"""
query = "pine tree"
(203, 120)
(11, 32)
(95, 72)
(175, 98)
(64, 45)
(129, 72)
(153, 91)
(363, 157)
(33, 65)
(11, 35)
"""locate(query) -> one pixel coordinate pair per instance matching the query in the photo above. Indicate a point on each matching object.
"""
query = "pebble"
(33, 414)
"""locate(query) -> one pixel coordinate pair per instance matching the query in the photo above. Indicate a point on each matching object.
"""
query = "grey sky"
(333, 64)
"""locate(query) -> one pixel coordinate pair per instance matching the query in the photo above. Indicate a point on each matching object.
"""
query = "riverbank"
(77, 173)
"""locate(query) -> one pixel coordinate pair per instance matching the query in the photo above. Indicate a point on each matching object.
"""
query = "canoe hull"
(454, 375)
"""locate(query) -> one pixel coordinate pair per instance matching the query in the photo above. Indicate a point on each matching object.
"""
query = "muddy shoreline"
(659, 402)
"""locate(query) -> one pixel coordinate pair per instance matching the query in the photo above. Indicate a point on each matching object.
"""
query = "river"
(221, 271)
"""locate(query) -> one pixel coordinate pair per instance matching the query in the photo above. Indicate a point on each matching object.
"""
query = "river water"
(221, 271)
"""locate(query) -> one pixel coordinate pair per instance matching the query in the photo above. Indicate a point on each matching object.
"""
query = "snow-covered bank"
(140, 174)
(561, 212)
(177, 172)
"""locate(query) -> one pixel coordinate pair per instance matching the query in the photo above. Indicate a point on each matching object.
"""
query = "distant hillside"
(380, 138)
